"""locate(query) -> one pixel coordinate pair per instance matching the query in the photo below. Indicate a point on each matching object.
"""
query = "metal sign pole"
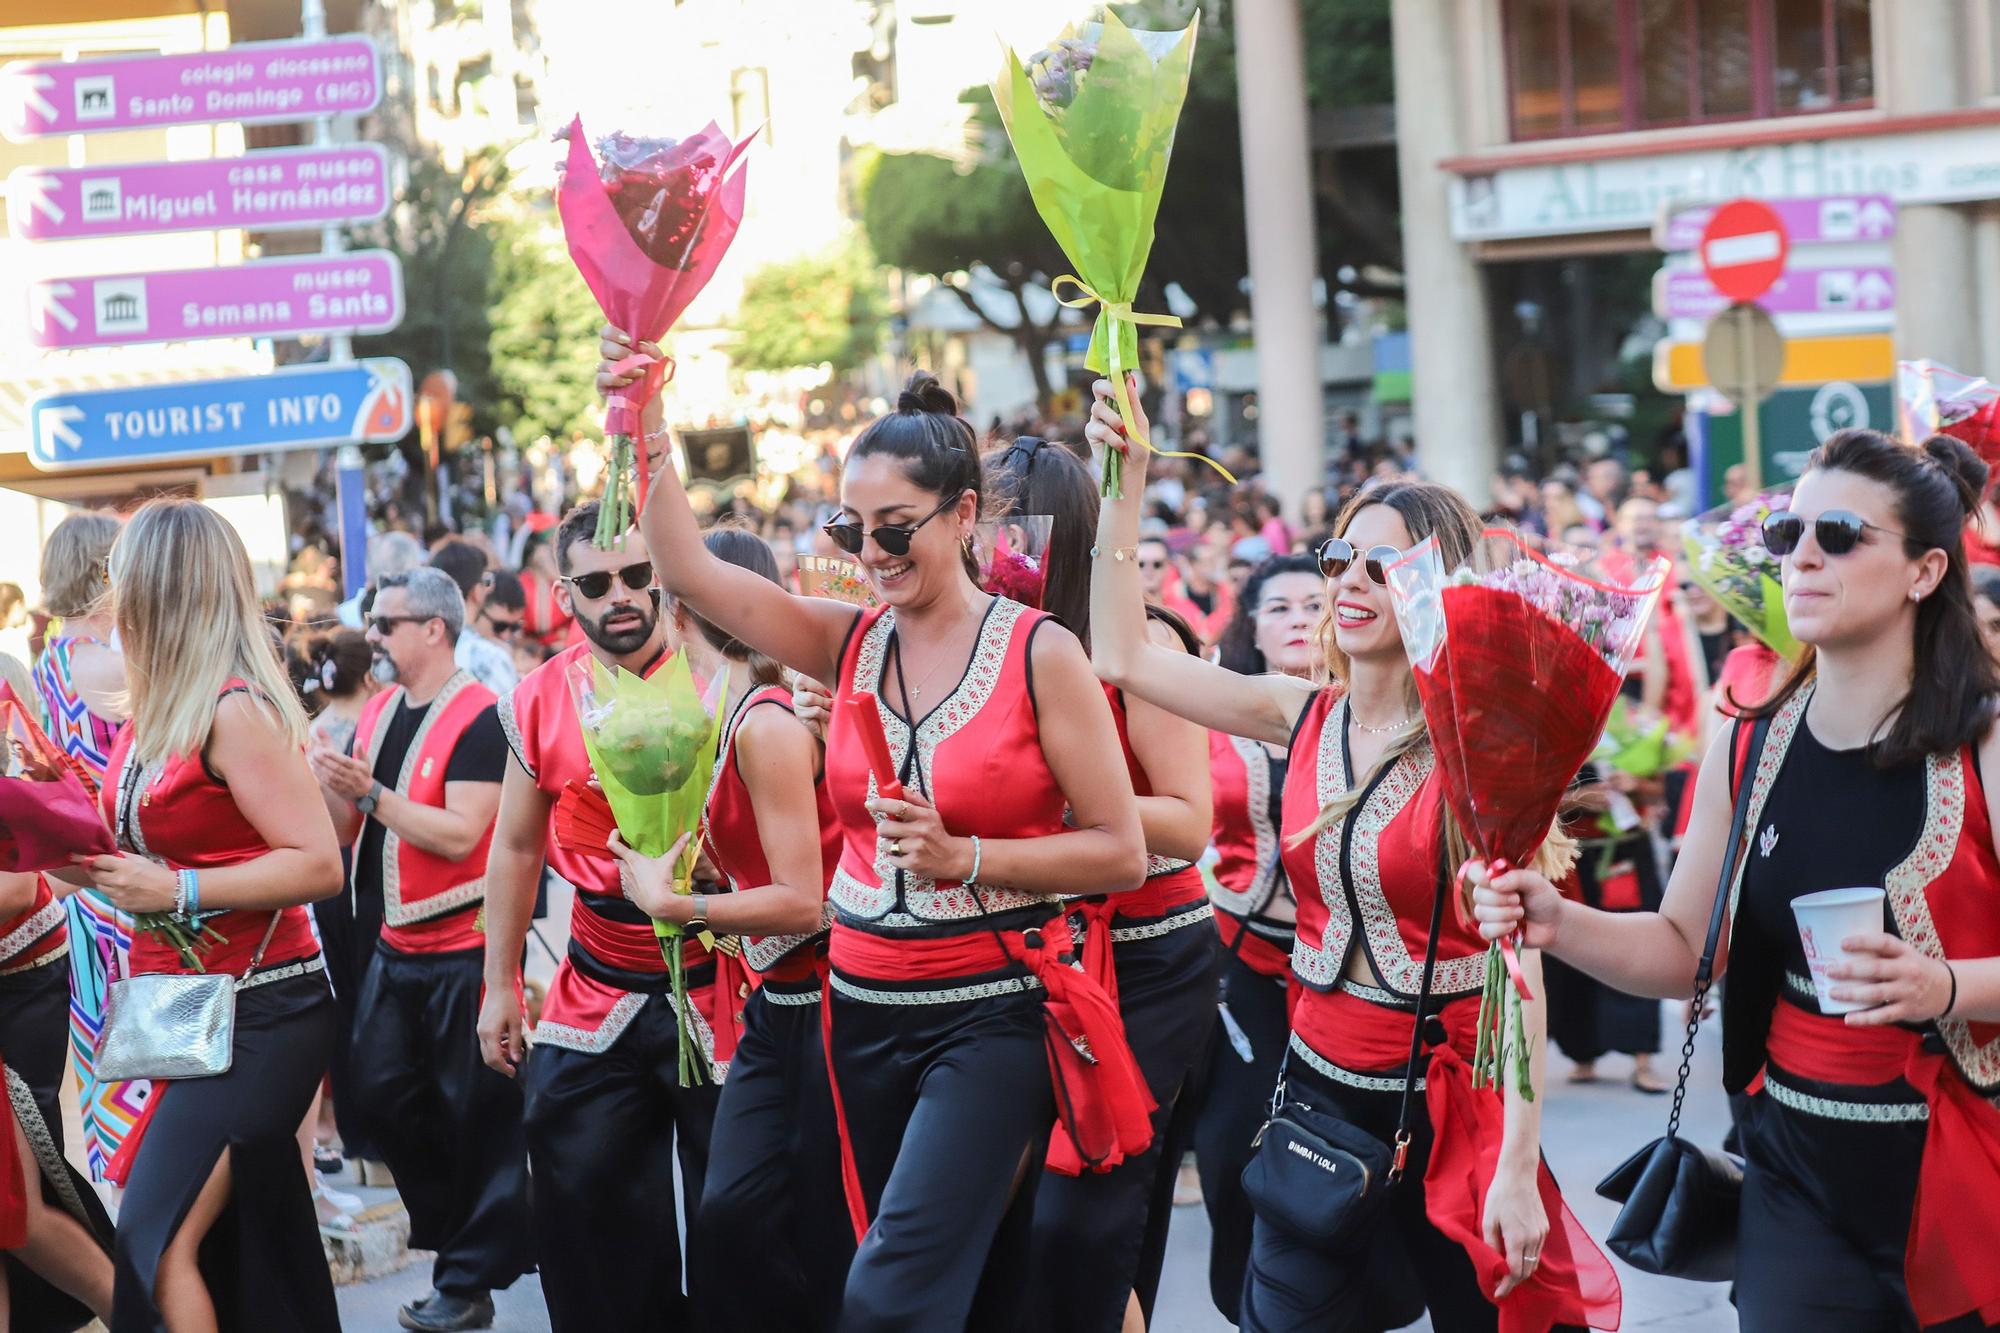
(1752, 406)
(350, 472)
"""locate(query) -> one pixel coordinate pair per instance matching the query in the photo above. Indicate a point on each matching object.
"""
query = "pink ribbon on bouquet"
(1509, 944)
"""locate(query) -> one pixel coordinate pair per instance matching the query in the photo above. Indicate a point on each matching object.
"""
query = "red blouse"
(976, 755)
(1170, 882)
(1382, 862)
(737, 849)
(184, 818)
(34, 935)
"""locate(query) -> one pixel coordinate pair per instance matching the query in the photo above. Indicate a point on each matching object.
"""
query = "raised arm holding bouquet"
(1092, 120)
(647, 222)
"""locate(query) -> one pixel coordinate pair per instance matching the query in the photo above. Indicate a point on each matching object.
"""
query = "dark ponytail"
(1938, 487)
(934, 442)
(1037, 476)
(741, 547)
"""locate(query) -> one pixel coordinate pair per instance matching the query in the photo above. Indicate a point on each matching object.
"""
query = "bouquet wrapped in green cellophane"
(1092, 120)
(652, 742)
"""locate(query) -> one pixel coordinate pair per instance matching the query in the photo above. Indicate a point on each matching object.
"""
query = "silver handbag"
(170, 1025)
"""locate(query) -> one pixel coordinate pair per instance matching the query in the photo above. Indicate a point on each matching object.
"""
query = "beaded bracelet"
(1115, 552)
(973, 878)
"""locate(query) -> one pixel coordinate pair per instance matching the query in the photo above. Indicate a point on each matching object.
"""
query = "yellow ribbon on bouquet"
(1115, 313)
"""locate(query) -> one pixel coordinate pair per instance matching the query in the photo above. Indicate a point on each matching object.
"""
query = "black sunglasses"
(386, 625)
(594, 585)
(501, 628)
(1837, 531)
(893, 538)
(1336, 554)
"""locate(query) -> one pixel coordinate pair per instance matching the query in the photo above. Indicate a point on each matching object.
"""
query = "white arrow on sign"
(54, 423)
(35, 190)
(27, 88)
(1874, 291)
(1877, 219)
(47, 306)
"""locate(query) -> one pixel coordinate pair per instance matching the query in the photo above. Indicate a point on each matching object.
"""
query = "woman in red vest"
(218, 818)
(1871, 1191)
(1274, 630)
(772, 1243)
(1101, 1235)
(946, 960)
(1364, 838)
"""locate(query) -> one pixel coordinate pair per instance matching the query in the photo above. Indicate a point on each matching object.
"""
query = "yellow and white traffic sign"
(1859, 358)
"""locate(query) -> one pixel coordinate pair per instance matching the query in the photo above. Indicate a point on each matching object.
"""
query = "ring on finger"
(895, 846)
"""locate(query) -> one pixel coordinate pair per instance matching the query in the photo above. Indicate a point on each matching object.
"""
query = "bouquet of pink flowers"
(1935, 400)
(1726, 556)
(1518, 658)
(647, 222)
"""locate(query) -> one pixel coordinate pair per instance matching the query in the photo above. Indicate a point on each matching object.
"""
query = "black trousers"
(34, 1039)
(261, 1260)
(603, 1131)
(1233, 1099)
(449, 1127)
(1092, 1230)
(1588, 1019)
(1826, 1215)
(1382, 1280)
(348, 932)
(773, 1240)
(949, 1107)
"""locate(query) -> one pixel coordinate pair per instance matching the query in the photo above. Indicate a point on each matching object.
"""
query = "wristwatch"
(366, 804)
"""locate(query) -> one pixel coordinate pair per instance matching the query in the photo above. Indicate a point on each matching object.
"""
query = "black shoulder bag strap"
(1402, 1140)
(1704, 971)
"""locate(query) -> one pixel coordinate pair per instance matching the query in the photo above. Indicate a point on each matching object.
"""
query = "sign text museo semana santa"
(1620, 193)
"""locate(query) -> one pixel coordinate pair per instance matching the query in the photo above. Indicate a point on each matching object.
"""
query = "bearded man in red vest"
(416, 799)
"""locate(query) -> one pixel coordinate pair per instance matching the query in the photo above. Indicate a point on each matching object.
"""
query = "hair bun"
(923, 393)
(1964, 467)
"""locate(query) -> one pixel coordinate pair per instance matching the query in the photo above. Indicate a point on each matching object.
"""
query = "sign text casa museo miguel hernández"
(360, 291)
(255, 82)
(268, 191)
(294, 408)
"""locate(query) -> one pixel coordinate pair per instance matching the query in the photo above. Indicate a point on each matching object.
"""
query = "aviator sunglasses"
(595, 585)
(1336, 554)
(1837, 531)
(893, 538)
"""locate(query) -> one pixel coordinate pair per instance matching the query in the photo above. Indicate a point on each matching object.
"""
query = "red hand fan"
(867, 718)
(583, 821)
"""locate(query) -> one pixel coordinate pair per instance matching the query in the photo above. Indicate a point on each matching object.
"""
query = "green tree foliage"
(824, 309)
(544, 322)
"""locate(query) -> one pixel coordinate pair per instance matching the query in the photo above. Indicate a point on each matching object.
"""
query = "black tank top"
(1833, 821)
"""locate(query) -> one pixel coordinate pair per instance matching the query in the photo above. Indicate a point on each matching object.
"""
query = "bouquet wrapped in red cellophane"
(47, 808)
(647, 222)
(1935, 400)
(1519, 656)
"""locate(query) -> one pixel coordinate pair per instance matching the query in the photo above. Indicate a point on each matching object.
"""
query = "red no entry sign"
(1743, 249)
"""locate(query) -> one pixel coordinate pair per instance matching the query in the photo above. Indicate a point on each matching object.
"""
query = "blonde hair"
(73, 579)
(1427, 510)
(187, 613)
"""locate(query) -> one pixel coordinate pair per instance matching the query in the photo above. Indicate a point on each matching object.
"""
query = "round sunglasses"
(1837, 531)
(1336, 554)
(893, 538)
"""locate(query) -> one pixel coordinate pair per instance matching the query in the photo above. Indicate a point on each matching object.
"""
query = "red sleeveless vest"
(186, 820)
(738, 851)
(424, 895)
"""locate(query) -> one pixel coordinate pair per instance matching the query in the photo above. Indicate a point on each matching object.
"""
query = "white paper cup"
(1827, 918)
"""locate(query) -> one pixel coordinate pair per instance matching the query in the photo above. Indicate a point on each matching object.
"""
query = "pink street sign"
(254, 82)
(360, 292)
(1835, 219)
(273, 190)
(1802, 289)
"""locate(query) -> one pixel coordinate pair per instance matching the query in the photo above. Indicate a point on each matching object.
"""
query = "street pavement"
(1585, 1131)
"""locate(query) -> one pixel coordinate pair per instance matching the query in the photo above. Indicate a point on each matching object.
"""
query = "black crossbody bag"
(1318, 1176)
(1682, 1201)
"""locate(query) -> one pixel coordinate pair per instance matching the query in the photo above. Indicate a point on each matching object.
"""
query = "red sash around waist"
(1574, 1283)
(1102, 1101)
(1260, 955)
(1948, 1261)
(627, 945)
